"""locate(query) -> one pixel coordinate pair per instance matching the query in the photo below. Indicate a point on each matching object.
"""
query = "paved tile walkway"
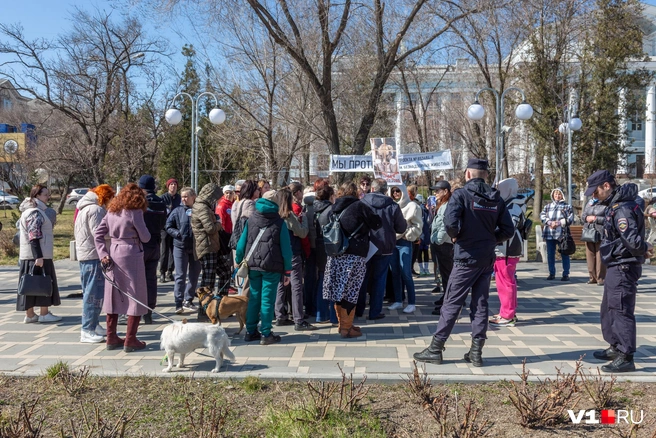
(559, 322)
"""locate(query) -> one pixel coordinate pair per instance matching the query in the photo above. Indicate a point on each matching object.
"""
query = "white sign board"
(440, 160)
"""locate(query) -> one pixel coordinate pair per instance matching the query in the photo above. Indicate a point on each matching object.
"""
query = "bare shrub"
(97, 426)
(544, 403)
(206, 418)
(470, 426)
(350, 395)
(26, 424)
(73, 381)
(599, 388)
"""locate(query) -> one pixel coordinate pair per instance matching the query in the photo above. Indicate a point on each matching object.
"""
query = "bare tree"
(85, 75)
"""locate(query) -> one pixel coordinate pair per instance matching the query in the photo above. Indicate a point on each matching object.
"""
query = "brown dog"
(236, 304)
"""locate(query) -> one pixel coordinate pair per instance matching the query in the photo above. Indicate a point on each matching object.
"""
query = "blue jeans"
(374, 282)
(93, 290)
(183, 262)
(401, 265)
(551, 258)
(323, 306)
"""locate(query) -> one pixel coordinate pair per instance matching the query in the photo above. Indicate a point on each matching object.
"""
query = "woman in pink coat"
(124, 224)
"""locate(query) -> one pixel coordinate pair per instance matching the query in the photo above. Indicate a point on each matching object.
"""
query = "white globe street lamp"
(476, 112)
(573, 124)
(174, 117)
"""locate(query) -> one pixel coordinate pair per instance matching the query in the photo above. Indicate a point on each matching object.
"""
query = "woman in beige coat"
(401, 263)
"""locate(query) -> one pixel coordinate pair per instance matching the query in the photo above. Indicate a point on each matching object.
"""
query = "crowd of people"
(320, 255)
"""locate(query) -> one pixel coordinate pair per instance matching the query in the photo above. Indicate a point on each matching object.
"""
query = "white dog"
(183, 338)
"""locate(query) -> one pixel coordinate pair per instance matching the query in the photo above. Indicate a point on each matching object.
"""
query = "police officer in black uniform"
(623, 250)
(476, 219)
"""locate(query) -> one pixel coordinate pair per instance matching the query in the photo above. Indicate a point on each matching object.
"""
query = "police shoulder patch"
(622, 224)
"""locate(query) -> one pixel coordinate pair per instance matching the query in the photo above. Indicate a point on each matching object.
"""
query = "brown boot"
(113, 341)
(353, 327)
(338, 311)
(131, 342)
(347, 330)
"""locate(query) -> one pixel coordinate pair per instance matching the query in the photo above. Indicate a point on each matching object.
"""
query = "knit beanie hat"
(147, 182)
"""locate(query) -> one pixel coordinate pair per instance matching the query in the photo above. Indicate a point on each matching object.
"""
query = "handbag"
(242, 270)
(35, 285)
(590, 234)
(566, 245)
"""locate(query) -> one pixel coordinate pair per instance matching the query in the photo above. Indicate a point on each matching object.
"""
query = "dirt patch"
(166, 407)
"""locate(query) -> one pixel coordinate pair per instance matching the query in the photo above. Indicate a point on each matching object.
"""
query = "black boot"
(623, 363)
(475, 355)
(148, 317)
(608, 354)
(432, 354)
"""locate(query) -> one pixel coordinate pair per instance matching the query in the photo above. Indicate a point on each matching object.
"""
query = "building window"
(636, 123)
(6, 103)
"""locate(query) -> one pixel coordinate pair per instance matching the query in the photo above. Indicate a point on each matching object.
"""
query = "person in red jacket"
(224, 208)
(224, 267)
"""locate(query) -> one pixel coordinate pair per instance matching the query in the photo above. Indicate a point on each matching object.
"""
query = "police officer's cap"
(441, 185)
(597, 179)
(477, 163)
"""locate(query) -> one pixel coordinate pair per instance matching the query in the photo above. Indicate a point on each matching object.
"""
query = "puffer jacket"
(595, 208)
(203, 220)
(359, 215)
(513, 247)
(89, 216)
(412, 215)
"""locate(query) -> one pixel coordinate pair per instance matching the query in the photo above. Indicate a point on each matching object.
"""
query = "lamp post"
(476, 112)
(174, 117)
(573, 124)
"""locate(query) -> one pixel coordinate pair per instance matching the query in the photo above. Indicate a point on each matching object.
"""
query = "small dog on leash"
(183, 338)
(217, 310)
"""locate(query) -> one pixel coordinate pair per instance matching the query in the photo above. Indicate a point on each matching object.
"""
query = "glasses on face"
(365, 184)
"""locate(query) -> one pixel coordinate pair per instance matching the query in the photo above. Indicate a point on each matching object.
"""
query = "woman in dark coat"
(345, 273)
(36, 250)
(594, 216)
(125, 224)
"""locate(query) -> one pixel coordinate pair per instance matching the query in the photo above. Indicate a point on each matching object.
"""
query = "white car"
(647, 193)
(75, 195)
(8, 201)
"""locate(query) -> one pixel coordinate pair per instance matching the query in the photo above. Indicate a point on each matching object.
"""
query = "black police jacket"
(624, 228)
(155, 218)
(477, 218)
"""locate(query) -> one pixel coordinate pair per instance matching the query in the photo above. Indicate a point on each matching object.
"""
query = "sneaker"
(410, 308)
(28, 320)
(162, 278)
(600, 283)
(551, 277)
(436, 290)
(396, 306)
(87, 337)
(250, 337)
(621, 364)
(179, 310)
(49, 317)
(271, 339)
(283, 322)
(188, 305)
(169, 277)
(565, 278)
(100, 331)
(592, 282)
(498, 321)
(304, 326)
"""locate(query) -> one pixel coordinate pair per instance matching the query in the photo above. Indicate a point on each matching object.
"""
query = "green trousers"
(264, 286)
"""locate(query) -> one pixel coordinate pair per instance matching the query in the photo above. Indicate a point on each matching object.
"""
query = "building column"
(650, 133)
(622, 160)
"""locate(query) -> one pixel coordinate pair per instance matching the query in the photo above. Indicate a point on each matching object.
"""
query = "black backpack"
(335, 240)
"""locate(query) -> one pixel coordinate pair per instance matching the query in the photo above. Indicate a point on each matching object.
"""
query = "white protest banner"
(426, 161)
(440, 160)
(351, 163)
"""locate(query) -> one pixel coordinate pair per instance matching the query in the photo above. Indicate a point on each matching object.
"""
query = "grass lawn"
(71, 404)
